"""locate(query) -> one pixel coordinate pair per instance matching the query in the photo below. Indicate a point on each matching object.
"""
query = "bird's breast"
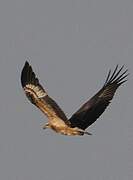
(62, 128)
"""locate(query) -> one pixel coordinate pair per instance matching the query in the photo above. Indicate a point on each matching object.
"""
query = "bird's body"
(84, 117)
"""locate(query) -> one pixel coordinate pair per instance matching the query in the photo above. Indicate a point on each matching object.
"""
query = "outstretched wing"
(38, 96)
(92, 109)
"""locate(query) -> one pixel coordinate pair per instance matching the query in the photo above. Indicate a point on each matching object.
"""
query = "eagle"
(88, 112)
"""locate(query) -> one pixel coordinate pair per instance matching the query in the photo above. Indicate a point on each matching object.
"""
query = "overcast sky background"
(71, 45)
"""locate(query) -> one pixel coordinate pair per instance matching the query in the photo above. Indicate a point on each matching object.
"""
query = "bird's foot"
(45, 126)
(87, 133)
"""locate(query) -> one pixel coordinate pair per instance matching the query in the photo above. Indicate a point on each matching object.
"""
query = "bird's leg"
(87, 133)
(84, 132)
(45, 126)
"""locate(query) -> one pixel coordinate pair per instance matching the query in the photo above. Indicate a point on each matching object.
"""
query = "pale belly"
(66, 130)
(61, 127)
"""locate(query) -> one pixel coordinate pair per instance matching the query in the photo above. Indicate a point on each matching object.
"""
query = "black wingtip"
(27, 75)
(117, 77)
(24, 74)
(26, 63)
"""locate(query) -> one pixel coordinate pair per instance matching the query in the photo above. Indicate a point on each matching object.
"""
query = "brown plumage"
(85, 116)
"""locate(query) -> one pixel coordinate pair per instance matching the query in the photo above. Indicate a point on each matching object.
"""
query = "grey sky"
(71, 45)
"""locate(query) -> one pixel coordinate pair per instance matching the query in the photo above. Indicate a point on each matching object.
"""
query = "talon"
(87, 133)
(45, 126)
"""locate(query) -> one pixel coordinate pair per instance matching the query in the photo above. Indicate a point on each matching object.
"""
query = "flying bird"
(85, 116)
